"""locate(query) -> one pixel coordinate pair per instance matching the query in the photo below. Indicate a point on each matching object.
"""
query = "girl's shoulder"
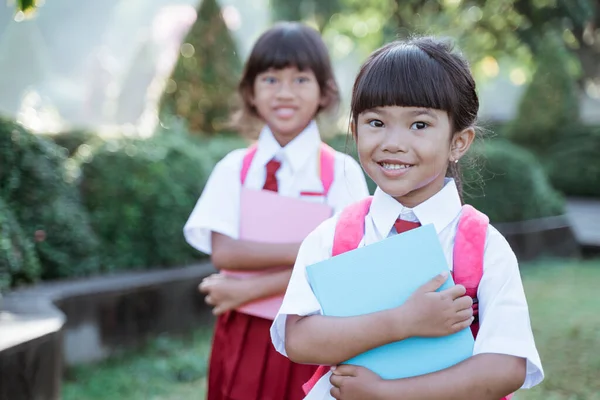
(345, 159)
(498, 248)
(232, 160)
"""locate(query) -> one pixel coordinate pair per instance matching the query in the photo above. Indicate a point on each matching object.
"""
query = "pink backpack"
(469, 248)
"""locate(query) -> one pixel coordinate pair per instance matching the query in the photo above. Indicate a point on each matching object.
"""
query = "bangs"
(406, 76)
(289, 45)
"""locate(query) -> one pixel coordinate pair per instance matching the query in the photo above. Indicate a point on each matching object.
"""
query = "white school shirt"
(218, 209)
(503, 313)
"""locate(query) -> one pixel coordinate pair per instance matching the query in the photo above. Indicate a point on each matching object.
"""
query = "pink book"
(271, 218)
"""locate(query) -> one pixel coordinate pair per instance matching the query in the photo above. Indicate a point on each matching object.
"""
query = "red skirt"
(244, 365)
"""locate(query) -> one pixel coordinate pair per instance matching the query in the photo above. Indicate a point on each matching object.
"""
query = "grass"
(168, 368)
(563, 303)
(565, 320)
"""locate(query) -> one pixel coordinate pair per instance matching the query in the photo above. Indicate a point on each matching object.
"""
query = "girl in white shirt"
(287, 82)
(414, 109)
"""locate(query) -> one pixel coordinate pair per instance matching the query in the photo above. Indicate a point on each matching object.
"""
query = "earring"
(456, 161)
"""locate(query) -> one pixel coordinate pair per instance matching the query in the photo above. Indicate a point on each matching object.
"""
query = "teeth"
(395, 166)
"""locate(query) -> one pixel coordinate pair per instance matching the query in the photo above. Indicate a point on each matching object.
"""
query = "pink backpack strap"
(326, 167)
(469, 248)
(350, 227)
(247, 160)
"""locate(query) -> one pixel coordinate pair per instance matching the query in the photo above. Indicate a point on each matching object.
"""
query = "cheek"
(365, 144)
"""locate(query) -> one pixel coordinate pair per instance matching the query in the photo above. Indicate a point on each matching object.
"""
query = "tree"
(25, 5)
(482, 27)
(204, 81)
(550, 104)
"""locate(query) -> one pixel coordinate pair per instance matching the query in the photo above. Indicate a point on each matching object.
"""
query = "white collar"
(295, 152)
(439, 210)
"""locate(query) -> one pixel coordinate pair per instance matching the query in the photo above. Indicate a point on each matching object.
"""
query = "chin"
(395, 191)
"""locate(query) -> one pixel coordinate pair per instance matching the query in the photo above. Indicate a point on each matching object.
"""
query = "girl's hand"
(354, 383)
(442, 313)
(224, 293)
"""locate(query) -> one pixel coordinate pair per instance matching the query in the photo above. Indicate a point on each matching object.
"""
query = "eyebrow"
(422, 111)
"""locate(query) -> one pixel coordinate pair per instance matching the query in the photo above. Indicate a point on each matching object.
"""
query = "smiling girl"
(286, 83)
(414, 109)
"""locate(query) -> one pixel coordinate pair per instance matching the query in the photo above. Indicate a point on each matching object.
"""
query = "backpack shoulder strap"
(350, 226)
(469, 248)
(246, 161)
(326, 167)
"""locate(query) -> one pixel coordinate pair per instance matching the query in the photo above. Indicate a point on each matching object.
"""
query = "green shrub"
(18, 260)
(140, 193)
(34, 185)
(550, 104)
(509, 184)
(71, 140)
(573, 163)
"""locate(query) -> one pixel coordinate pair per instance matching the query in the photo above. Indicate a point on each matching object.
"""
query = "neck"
(420, 195)
(284, 138)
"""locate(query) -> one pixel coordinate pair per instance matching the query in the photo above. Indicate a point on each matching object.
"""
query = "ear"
(460, 144)
(327, 96)
(353, 130)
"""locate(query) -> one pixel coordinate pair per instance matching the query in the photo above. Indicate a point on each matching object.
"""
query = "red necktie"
(271, 180)
(401, 226)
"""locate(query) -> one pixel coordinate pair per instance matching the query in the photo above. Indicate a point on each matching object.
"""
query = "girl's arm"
(234, 254)
(482, 377)
(318, 339)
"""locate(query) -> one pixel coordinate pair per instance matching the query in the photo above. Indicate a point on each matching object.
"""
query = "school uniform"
(244, 364)
(503, 312)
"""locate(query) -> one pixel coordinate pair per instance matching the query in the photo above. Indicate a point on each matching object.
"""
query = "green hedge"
(71, 140)
(18, 260)
(34, 185)
(509, 184)
(573, 163)
(139, 194)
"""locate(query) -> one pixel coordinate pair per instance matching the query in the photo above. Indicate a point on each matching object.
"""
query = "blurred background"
(113, 113)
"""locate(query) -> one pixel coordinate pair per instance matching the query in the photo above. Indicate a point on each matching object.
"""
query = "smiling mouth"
(394, 166)
(285, 112)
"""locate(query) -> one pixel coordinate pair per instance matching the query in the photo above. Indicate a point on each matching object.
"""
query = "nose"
(395, 140)
(285, 91)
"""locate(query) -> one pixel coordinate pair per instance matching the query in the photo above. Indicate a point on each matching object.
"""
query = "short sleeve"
(349, 185)
(505, 327)
(217, 210)
(299, 298)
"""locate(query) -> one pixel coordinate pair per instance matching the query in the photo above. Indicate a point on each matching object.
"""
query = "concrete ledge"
(32, 370)
(86, 320)
(544, 237)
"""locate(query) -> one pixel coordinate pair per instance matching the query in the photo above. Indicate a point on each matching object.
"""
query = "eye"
(269, 79)
(375, 123)
(302, 79)
(419, 125)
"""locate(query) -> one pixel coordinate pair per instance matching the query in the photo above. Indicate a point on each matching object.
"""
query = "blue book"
(381, 276)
